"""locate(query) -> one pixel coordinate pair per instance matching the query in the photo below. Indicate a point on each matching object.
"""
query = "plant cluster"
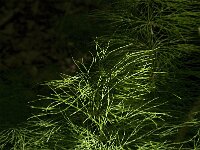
(123, 99)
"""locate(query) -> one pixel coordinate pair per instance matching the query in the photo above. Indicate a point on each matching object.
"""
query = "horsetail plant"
(116, 102)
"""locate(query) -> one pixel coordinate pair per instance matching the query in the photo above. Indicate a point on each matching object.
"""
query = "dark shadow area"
(37, 42)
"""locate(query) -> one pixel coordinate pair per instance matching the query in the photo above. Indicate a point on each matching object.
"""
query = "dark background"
(38, 39)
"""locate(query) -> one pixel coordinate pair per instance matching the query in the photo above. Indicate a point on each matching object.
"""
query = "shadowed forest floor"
(37, 45)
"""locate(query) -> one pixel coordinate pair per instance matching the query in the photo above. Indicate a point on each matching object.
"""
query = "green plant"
(122, 99)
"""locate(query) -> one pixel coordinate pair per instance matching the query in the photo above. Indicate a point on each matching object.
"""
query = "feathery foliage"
(123, 99)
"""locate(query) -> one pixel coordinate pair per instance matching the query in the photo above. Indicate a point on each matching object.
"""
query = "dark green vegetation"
(140, 90)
